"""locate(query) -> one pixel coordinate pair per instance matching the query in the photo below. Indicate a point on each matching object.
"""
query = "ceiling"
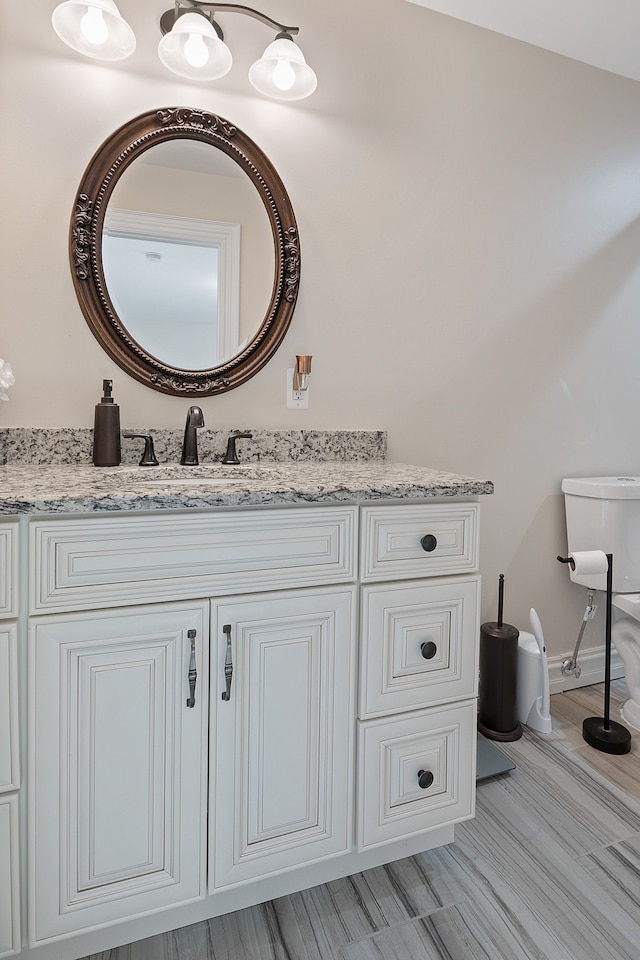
(603, 33)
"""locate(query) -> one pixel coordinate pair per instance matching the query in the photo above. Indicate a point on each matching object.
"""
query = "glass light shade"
(94, 28)
(282, 72)
(193, 50)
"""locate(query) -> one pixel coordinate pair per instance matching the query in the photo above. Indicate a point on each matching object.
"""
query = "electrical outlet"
(296, 399)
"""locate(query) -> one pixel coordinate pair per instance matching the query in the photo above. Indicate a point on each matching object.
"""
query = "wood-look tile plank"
(548, 870)
(457, 933)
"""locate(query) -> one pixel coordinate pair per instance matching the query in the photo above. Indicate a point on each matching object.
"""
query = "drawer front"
(8, 570)
(91, 562)
(9, 753)
(9, 877)
(419, 644)
(437, 744)
(419, 540)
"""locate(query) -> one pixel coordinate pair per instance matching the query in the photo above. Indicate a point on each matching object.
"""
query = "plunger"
(497, 702)
(603, 733)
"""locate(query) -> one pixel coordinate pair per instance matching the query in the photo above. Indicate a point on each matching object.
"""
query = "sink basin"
(177, 475)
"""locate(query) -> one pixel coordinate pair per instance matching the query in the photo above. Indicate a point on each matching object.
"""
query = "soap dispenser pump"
(106, 429)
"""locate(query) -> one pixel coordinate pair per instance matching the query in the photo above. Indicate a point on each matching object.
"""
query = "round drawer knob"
(425, 779)
(428, 649)
(428, 543)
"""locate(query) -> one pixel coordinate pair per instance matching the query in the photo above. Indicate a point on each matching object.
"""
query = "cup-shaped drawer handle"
(428, 649)
(428, 543)
(425, 779)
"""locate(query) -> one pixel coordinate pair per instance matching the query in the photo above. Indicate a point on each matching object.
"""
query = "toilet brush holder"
(497, 701)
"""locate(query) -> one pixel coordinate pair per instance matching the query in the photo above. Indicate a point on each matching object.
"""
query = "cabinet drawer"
(9, 753)
(419, 540)
(8, 570)
(419, 644)
(94, 562)
(392, 753)
(9, 877)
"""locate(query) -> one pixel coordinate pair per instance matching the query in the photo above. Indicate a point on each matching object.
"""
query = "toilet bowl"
(625, 635)
(603, 513)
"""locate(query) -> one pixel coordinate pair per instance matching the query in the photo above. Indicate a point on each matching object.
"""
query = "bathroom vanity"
(225, 687)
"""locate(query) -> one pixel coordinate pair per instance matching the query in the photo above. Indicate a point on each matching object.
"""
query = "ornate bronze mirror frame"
(99, 180)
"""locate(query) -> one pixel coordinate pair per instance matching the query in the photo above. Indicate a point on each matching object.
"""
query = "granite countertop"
(71, 488)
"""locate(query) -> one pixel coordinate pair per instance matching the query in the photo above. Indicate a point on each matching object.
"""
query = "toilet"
(603, 513)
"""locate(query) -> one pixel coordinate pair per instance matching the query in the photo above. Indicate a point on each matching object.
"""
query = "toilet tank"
(603, 513)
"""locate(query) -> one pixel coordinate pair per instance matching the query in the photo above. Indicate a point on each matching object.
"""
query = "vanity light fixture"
(94, 28)
(193, 46)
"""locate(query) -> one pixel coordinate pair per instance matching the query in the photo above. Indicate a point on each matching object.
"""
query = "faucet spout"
(195, 420)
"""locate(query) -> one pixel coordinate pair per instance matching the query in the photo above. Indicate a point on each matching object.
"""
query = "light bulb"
(284, 75)
(93, 27)
(195, 50)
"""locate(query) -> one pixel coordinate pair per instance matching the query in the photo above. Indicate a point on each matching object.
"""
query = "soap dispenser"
(106, 430)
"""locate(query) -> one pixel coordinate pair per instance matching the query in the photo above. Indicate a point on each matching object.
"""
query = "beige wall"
(468, 209)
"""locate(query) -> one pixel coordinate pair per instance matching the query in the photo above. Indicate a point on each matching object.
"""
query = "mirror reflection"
(188, 254)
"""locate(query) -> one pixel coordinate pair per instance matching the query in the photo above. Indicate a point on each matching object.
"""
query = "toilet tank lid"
(603, 488)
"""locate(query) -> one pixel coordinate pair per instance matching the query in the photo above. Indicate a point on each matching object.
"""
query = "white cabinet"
(10, 935)
(416, 771)
(9, 877)
(344, 640)
(8, 570)
(117, 777)
(418, 669)
(9, 752)
(283, 746)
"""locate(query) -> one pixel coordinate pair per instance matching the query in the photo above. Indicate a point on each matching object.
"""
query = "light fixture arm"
(182, 6)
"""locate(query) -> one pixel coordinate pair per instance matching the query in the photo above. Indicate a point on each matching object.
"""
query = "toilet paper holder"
(603, 733)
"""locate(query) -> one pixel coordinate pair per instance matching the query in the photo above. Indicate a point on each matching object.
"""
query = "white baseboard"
(592, 664)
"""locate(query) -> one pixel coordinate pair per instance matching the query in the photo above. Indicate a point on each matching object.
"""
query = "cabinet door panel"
(421, 644)
(117, 780)
(392, 754)
(8, 570)
(9, 877)
(283, 743)
(9, 752)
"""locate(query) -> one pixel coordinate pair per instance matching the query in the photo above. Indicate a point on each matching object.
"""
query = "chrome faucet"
(195, 420)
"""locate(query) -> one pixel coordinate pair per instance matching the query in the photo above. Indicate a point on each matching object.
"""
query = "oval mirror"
(185, 252)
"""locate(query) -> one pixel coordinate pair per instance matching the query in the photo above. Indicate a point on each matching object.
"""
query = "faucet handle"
(231, 456)
(149, 458)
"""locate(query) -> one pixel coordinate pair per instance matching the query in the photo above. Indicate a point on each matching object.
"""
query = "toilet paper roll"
(585, 562)
(589, 568)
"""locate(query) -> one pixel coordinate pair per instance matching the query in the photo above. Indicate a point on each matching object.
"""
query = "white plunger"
(540, 715)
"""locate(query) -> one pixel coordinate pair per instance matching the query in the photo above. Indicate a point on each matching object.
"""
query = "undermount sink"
(175, 474)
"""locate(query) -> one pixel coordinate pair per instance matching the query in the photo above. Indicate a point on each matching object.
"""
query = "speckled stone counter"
(50, 471)
(54, 489)
(21, 445)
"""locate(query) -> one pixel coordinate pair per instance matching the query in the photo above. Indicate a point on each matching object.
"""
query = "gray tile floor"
(549, 869)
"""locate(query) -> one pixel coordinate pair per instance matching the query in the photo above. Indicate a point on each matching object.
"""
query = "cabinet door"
(9, 877)
(282, 749)
(117, 765)
(9, 753)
